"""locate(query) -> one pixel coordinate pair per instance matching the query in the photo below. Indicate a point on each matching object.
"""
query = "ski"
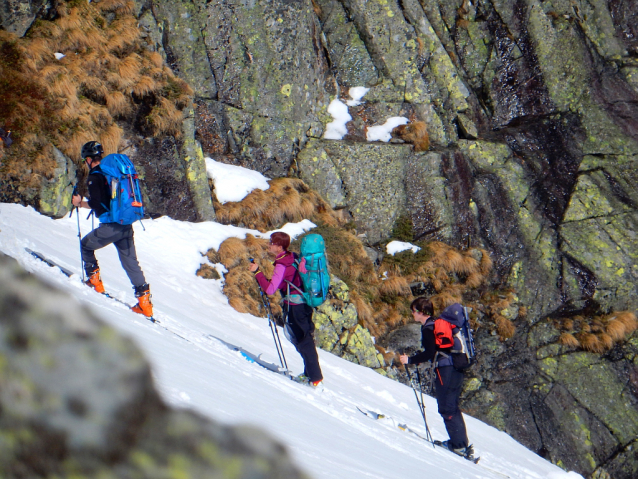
(53, 264)
(250, 357)
(151, 318)
(469, 457)
(69, 273)
(404, 427)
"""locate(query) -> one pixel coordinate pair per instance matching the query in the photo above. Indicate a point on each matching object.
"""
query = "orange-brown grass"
(504, 327)
(117, 103)
(444, 299)
(415, 133)
(485, 263)
(568, 339)
(232, 251)
(599, 333)
(616, 329)
(590, 342)
(242, 291)
(206, 271)
(395, 286)
(628, 319)
(474, 280)
(144, 86)
(606, 340)
(62, 102)
(213, 256)
(364, 308)
(120, 6)
(165, 118)
(287, 199)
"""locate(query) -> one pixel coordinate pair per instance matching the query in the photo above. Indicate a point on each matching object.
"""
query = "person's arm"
(79, 202)
(429, 350)
(270, 287)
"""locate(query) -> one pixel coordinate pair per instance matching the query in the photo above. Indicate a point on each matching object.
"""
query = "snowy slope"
(323, 430)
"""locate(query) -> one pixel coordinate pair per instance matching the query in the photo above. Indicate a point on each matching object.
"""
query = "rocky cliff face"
(532, 112)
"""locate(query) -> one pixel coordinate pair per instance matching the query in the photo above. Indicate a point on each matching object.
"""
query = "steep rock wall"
(532, 111)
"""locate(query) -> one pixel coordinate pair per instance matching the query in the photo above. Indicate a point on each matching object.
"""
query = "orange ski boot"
(94, 280)
(144, 305)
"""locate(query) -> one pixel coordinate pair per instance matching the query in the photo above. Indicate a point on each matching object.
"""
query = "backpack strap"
(293, 298)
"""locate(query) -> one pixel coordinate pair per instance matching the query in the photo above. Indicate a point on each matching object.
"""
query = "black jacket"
(99, 191)
(427, 342)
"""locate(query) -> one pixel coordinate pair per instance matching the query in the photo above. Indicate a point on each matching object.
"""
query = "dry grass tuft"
(117, 103)
(629, 320)
(568, 339)
(616, 329)
(70, 101)
(504, 327)
(598, 334)
(206, 271)
(286, 200)
(415, 133)
(165, 118)
(590, 342)
(395, 286)
(232, 251)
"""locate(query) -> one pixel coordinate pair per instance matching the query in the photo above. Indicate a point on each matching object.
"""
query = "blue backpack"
(316, 281)
(126, 196)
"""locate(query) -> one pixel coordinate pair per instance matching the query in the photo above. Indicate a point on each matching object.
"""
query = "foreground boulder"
(77, 399)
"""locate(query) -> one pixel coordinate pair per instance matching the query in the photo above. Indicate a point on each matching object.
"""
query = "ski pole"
(77, 215)
(273, 326)
(421, 406)
(275, 332)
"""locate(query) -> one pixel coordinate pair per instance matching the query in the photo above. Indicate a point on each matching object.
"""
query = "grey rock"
(78, 398)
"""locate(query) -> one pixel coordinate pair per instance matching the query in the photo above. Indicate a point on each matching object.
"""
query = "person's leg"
(128, 258)
(300, 319)
(125, 245)
(100, 237)
(448, 389)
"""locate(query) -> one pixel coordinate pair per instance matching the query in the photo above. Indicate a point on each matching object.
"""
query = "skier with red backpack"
(297, 313)
(445, 346)
(115, 199)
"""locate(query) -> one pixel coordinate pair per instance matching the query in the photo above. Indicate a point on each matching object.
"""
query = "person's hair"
(280, 239)
(423, 305)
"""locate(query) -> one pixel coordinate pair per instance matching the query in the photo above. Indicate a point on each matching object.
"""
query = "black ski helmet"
(92, 148)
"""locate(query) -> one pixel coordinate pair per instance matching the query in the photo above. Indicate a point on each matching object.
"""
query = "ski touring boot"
(464, 452)
(144, 305)
(303, 379)
(94, 280)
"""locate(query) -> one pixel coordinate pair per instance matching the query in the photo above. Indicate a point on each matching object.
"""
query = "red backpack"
(444, 334)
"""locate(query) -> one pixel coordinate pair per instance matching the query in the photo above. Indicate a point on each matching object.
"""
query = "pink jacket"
(284, 271)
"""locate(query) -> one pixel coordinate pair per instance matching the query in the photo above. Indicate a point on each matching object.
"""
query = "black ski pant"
(302, 328)
(122, 237)
(449, 382)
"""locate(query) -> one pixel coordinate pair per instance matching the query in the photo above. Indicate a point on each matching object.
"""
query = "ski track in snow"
(323, 430)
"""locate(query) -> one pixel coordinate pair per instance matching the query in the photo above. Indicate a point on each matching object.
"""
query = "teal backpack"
(316, 281)
(126, 197)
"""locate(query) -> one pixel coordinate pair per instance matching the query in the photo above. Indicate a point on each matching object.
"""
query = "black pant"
(122, 237)
(302, 329)
(449, 382)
